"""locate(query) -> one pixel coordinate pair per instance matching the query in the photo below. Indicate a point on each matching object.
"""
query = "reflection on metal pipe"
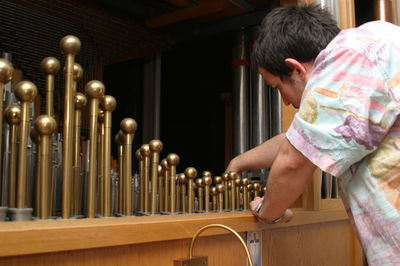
(241, 95)
(155, 148)
(383, 10)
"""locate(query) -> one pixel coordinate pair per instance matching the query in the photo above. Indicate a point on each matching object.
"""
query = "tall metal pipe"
(108, 105)
(6, 74)
(13, 118)
(45, 126)
(190, 174)
(241, 65)
(70, 46)
(26, 92)
(94, 90)
(119, 139)
(156, 147)
(80, 102)
(128, 127)
(383, 10)
(145, 152)
(50, 66)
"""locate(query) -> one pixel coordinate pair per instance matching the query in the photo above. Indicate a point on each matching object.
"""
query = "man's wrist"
(257, 214)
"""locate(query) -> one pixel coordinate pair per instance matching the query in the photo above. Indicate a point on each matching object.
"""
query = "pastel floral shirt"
(349, 126)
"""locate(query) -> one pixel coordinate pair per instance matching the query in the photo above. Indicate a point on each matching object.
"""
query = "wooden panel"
(328, 244)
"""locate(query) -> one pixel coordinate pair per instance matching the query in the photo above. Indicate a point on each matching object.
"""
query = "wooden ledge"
(23, 238)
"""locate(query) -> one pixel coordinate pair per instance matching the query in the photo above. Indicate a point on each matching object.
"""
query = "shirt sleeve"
(342, 116)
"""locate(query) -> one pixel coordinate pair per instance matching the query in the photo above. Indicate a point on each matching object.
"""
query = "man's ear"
(298, 68)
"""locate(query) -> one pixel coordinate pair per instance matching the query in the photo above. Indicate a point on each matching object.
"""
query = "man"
(347, 87)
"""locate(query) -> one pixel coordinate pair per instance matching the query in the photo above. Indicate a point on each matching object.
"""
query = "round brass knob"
(6, 71)
(173, 159)
(13, 114)
(70, 45)
(225, 176)
(108, 103)
(95, 89)
(80, 100)
(220, 188)
(50, 65)
(256, 186)
(164, 164)
(214, 191)
(26, 91)
(138, 155)
(237, 182)
(160, 170)
(45, 125)
(145, 150)
(199, 182)
(206, 173)
(128, 126)
(245, 182)
(155, 145)
(217, 180)
(120, 138)
(250, 187)
(207, 180)
(190, 173)
(182, 178)
(77, 73)
(233, 175)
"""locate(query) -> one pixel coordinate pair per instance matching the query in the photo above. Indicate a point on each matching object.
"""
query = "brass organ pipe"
(232, 177)
(220, 189)
(245, 183)
(190, 174)
(226, 192)
(50, 66)
(108, 104)
(182, 181)
(70, 46)
(100, 161)
(6, 74)
(155, 148)
(145, 152)
(214, 194)
(94, 90)
(26, 92)
(200, 194)
(207, 181)
(237, 193)
(38, 186)
(119, 140)
(178, 194)
(161, 175)
(165, 188)
(80, 102)
(45, 125)
(13, 118)
(173, 161)
(141, 170)
(128, 127)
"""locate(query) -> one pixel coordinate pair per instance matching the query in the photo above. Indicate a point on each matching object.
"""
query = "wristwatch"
(257, 214)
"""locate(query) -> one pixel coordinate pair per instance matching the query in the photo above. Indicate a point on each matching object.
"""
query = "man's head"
(289, 40)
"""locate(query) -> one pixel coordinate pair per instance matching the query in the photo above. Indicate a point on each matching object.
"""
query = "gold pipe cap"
(214, 191)
(45, 125)
(164, 164)
(137, 154)
(26, 91)
(6, 71)
(233, 175)
(217, 180)
(250, 187)
(128, 126)
(50, 65)
(199, 182)
(145, 150)
(155, 145)
(120, 138)
(173, 159)
(94, 89)
(220, 188)
(225, 176)
(182, 178)
(13, 114)
(207, 180)
(70, 45)
(206, 173)
(245, 182)
(256, 186)
(237, 181)
(77, 73)
(160, 170)
(190, 173)
(108, 103)
(80, 100)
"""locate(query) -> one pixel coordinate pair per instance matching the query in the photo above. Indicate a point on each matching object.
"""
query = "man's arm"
(259, 157)
(288, 178)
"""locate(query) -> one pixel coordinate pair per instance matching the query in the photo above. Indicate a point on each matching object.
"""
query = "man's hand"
(287, 216)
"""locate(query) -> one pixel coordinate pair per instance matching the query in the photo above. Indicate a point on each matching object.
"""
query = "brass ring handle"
(224, 227)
